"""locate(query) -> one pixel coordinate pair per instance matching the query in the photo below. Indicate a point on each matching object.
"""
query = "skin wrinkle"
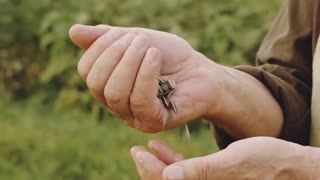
(253, 106)
(205, 170)
(132, 44)
(95, 47)
(133, 102)
(137, 104)
(94, 78)
(178, 75)
(143, 127)
(183, 76)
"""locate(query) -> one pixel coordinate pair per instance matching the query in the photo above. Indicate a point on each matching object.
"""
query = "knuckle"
(118, 47)
(112, 97)
(142, 38)
(124, 41)
(93, 86)
(141, 125)
(136, 102)
(114, 113)
(130, 35)
(130, 123)
(148, 130)
(114, 33)
(152, 131)
(140, 41)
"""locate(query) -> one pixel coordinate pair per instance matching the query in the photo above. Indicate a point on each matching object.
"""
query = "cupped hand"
(121, 67)
(254, 158)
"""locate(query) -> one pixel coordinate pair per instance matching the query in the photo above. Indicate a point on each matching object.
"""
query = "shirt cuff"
(293, 96)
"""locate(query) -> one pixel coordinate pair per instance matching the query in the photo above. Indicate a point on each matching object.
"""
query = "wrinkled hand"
(254, 158)
(121, 67)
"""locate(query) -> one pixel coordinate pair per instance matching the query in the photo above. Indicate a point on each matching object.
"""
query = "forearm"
(246, 107)
(311, 158)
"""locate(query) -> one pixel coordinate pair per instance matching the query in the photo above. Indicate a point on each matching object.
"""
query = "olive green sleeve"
(284, 66)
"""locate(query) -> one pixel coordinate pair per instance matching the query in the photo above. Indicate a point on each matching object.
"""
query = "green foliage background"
(43, 94)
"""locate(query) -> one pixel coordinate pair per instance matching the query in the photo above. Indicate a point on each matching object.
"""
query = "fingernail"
(174, 172)
(143, 158)
(134, 150)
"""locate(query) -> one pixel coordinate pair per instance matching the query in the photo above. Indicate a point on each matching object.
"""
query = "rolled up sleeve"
(284, 67)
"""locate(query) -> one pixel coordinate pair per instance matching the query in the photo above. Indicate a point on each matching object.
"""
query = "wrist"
(214, 78)
(239, 108)
(228, 83)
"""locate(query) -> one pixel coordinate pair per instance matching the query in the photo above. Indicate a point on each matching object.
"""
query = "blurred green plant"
(37, 55)
(70, 145)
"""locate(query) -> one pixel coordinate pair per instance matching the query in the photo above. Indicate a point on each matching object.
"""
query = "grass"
(39, 143)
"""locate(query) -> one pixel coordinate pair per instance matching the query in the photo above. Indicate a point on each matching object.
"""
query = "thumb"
(83, 36)
(201, 168)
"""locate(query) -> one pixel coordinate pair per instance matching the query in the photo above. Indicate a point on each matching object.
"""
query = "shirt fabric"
(284, 66)
(315, 104)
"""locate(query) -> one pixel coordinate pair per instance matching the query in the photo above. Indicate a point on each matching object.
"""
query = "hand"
(121, 67)
(254, 158)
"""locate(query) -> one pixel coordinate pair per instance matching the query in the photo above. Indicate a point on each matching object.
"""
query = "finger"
(83, 36)
(96, 49)
(104, 66)
(148, 166)
(123, 77)
(133, 152)
(142, 126)
(203, 168)
(144, 103)
(164, 152)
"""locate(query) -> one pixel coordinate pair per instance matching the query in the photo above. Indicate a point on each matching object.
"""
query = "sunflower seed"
(186, 134)
(165, 101)
(165, 90)
(173, 106)
(169, 94)
(160, 92)
(161, 80)
(171, 84)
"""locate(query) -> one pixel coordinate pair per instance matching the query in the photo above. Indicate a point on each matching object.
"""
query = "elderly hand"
(121, 67)
(254, 158)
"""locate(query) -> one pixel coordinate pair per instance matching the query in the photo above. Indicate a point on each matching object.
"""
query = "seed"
(161, 80)
(165, 88)
(186, 134)
(169, 94)
(171, 84)
(173, 106)
(165, 101)
(160, 91)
